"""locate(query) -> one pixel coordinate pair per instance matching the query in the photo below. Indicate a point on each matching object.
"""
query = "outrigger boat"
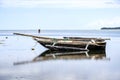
(69, 43)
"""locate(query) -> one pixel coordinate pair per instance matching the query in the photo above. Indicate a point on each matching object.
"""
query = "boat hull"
(69, 46)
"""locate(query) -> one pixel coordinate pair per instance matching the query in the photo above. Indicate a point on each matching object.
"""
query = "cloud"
(59, 3)
(111, 22)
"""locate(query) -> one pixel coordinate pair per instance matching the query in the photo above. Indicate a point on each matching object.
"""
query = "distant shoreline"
(110, 28)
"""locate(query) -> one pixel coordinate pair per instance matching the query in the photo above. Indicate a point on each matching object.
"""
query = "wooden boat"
(72, 44)
(69, 43)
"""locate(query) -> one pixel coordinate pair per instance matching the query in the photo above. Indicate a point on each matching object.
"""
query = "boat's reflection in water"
(50, 55)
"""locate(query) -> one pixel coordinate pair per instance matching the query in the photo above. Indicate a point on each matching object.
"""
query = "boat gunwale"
(62, 41)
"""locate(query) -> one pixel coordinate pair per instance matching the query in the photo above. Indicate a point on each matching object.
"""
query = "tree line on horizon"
(110, 28)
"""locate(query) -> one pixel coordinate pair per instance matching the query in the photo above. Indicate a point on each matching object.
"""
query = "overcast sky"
(59, 14)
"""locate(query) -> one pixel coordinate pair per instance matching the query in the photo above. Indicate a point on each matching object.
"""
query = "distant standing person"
(38, 30)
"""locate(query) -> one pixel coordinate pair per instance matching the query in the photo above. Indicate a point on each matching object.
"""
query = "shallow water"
(19, 49)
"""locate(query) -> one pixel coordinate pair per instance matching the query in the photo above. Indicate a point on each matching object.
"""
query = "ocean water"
(97, 65)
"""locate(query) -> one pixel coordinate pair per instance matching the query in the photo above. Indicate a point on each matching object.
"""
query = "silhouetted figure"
(38, 30)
